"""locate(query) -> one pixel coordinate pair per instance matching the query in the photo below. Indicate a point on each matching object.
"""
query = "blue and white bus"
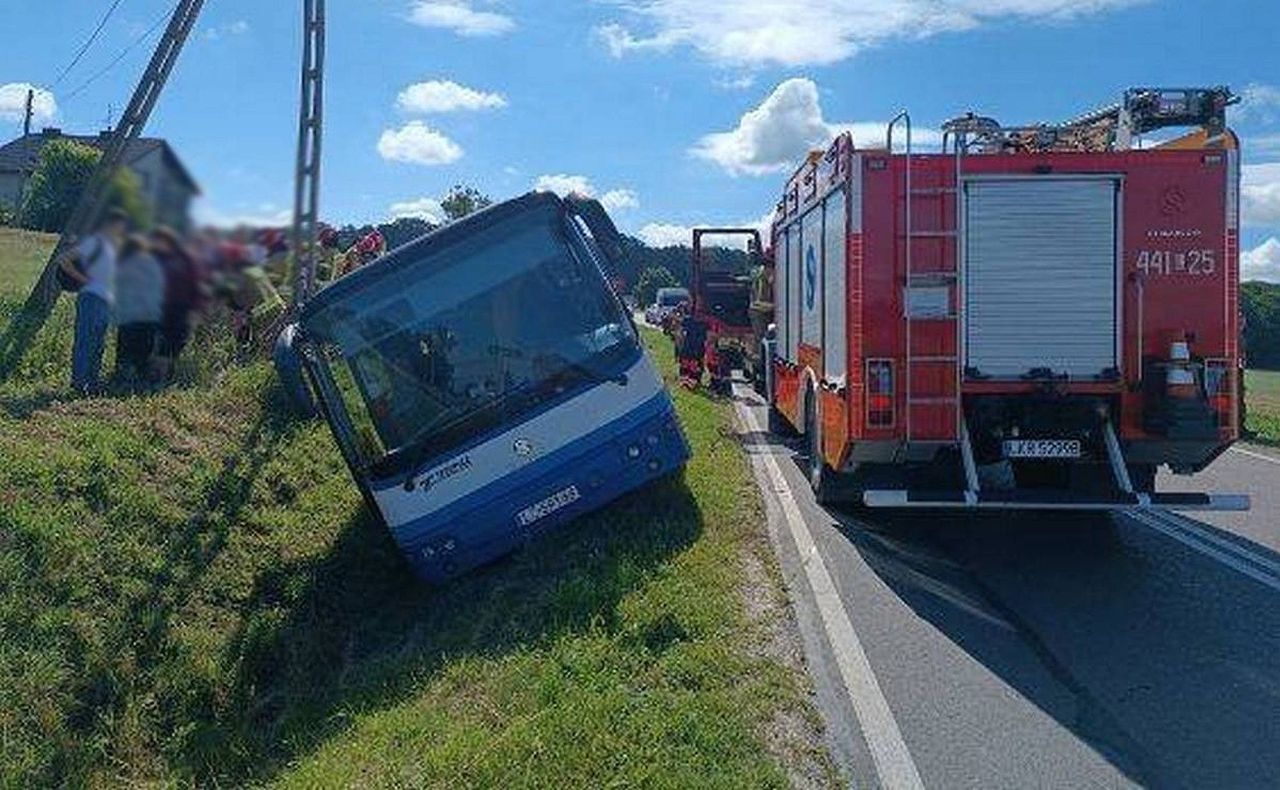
(485, 384)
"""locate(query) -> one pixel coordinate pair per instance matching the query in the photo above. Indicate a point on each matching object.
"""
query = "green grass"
(1262, 389)
(191, 592)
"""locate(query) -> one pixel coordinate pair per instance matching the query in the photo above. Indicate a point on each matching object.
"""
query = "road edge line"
(894, 765)
(1234, 558)
(1252, 454)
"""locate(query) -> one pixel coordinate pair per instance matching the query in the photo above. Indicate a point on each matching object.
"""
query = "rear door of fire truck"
(1041, 277)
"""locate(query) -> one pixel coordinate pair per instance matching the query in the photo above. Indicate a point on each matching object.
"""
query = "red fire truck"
(1035, 317)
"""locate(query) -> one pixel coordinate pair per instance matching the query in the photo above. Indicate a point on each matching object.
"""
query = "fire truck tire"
(778, 425)
(821, 476)
(1143, 477)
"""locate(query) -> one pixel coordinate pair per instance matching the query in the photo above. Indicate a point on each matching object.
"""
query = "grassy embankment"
(191, 592)
(1262, 388)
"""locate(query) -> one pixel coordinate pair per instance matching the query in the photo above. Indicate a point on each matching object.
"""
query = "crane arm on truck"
(1112, 128)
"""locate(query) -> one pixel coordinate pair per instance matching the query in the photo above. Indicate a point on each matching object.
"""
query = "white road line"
(889, 752)
(1212, 546)
(1260, 456)
(1202, 532)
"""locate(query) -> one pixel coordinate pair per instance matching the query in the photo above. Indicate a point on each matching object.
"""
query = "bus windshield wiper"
(424, 448)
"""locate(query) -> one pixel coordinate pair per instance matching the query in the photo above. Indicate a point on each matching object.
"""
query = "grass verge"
(193, 593)
(1262, 388)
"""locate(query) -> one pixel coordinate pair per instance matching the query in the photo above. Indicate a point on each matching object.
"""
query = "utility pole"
(306, 200)
(24, 326)
(26, 119)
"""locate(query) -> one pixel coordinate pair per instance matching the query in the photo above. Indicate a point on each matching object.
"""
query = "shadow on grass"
(355, 631)
(190, 551)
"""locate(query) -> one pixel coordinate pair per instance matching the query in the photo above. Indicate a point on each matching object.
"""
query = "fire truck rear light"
(1217, 386)
(880, 393)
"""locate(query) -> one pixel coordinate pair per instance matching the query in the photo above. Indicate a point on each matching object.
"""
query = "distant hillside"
(677, 260)
(1262, 324)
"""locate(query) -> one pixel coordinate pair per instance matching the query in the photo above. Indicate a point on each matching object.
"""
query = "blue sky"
(677, 112)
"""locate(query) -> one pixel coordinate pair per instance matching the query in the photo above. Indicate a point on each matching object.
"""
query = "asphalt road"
(1038, 651)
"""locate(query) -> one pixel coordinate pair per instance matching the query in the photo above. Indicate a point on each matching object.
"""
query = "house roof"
(22, 154)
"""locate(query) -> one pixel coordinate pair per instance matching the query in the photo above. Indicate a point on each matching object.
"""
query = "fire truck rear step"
(1124, 498)
(1051, 500)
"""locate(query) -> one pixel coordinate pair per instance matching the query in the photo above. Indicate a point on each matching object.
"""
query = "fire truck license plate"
(536, 512)
(1042, 448)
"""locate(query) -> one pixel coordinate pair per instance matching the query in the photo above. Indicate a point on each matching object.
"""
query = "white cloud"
(776, 136)
(740, 83)
(663, 234)
(813, 32)
(773, 136)
(1260, 194)
(1263, 144)
(619, 200)
(419, 144)
(667, 234)
(236, 28)
(265, 215)
(422, 208)
(437, 96)
(1262, 262)
(563, 184)
(1259, 102)
(461, 17)
(13, 103)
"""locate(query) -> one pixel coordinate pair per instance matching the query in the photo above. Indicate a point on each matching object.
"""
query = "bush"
(651, 280)
(7, 217)
(61, 175)
(1261, 305)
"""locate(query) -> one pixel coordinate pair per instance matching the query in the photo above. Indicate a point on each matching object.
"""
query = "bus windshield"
(468, 338)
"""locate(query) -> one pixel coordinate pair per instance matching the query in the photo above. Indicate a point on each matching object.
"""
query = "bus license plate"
(557, 501)
(1042, 448)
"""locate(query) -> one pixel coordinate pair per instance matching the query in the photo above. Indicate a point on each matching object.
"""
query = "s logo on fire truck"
(1173, 202)
(810, 277)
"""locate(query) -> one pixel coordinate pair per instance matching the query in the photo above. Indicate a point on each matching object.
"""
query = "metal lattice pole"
(88, 210)
(306, 203)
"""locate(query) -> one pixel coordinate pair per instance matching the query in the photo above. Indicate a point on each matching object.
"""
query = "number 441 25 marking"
(1167, 262)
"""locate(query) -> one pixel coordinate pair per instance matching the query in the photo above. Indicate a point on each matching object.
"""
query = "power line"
(116, 61)
(97, 31)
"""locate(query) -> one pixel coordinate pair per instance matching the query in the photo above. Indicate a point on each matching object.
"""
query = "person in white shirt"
(92, 266)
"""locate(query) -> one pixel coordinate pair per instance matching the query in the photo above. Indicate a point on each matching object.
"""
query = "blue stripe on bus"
(483, 525)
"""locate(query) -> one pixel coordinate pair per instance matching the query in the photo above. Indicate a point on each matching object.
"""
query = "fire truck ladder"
(93, 200)
(945, 274)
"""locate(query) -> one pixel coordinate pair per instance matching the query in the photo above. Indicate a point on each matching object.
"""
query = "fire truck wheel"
(820, 475)
(778, 425)
(1143, 477)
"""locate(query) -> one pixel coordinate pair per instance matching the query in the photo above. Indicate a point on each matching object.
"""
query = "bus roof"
(411, 253)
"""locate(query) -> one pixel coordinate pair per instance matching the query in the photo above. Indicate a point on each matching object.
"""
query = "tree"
(462, 201)
(1261, 305)
(651, 280)
(63, 171)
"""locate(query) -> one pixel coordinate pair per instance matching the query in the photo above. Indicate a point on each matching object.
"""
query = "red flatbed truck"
(1036, 317)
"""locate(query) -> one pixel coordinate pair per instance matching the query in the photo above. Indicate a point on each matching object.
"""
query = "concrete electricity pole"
(26, 119)
(306, 203)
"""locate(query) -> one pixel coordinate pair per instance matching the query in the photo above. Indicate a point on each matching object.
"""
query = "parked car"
(668, 300)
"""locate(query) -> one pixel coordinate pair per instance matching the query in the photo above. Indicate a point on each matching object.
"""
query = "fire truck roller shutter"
(1040, 276)
(834, 344)
(793, 292)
